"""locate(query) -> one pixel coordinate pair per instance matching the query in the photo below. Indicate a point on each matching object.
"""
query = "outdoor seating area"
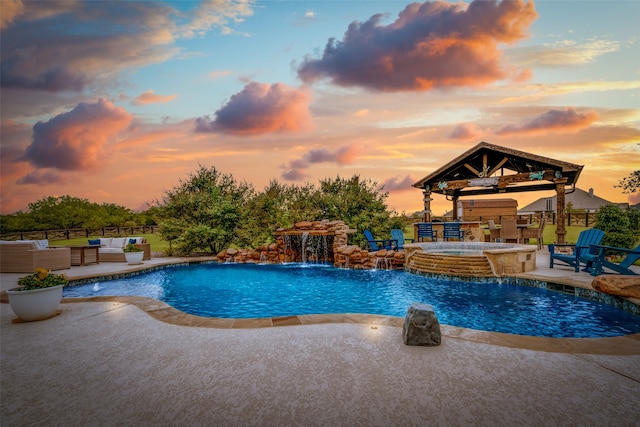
(23, 256)
(424, 230)
(509, 230)
(534, 233)
(580, 251)
(112, 248)
(452, 230)
(376, 245)
(599, 257)
(515, 231)
(398, 236)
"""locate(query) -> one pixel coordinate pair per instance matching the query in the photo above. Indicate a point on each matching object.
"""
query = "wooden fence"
(72, 233)
(579, 219)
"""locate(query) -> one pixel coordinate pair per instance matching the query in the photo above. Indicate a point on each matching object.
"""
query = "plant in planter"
(133, 254)
(38, 295)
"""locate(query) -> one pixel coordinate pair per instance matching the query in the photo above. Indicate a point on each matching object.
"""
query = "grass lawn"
(549, 234)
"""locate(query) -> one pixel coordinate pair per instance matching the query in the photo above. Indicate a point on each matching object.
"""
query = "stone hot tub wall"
(470, 259)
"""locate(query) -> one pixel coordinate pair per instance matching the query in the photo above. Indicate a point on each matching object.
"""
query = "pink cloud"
(398, 183)
(465, 131)
(42, 177)
(295, 175)
(295, 170)
(149, 97)
(67, 46)
(342, 156)
(553, 120)
(78, 139)
(259, 109)
(430, 45)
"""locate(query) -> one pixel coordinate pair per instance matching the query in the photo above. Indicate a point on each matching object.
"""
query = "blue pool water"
(249, 291)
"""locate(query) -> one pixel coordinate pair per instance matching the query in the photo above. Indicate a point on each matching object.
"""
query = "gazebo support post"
(454, 199)
(426, 200)
(561, 231)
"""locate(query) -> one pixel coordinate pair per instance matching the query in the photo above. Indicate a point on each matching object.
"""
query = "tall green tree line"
(211, 211)
(55, 213)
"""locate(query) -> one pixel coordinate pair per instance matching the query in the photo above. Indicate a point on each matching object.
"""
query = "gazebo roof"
(489, 169)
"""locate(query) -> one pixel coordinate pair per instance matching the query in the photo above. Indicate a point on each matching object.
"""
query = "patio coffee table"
(82, 254)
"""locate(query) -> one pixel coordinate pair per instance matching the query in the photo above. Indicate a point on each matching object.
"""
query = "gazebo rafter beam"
(499, 182)
(472, 169)
(498, 166)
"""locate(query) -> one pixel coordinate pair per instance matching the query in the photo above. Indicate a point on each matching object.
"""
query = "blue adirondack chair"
(598, 259)
(377, 245)
(581, 251)
(425, 231)
(452, 230)
(398, 236)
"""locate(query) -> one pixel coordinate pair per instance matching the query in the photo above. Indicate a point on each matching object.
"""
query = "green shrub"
(616, 225)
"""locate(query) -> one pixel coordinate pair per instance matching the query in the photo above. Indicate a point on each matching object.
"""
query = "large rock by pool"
(421, 326)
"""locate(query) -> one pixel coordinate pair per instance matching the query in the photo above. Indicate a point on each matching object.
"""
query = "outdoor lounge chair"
(398, 236)
(582, 248)
(452, 230)
(509, 231)
(599, 260)
(23, 256)
(535, 233)
(494, 232)
(377, 245)
(425, 231)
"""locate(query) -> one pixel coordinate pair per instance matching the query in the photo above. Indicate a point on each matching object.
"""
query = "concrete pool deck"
(112, 363)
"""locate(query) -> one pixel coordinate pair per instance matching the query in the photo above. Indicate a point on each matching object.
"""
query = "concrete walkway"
(111, 363)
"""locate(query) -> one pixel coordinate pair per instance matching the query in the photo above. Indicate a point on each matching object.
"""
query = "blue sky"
(98, 95)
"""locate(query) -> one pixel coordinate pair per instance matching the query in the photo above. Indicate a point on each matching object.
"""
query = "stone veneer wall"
(288, 248)
(359, 259)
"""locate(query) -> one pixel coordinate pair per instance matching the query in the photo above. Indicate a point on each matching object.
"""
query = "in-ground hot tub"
(470, 259)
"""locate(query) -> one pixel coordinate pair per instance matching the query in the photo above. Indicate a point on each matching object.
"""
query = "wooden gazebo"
(489, 169)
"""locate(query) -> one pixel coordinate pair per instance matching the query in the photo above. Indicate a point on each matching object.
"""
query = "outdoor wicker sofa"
(24, 256)
(112, 248)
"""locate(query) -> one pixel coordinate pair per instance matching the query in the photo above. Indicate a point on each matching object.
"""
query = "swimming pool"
(254, 291)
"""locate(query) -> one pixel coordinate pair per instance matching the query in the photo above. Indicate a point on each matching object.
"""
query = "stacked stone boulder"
(350, 256)
(342, 254)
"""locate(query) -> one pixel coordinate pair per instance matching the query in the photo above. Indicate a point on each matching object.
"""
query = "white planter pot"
(134, 257)
(36, 304)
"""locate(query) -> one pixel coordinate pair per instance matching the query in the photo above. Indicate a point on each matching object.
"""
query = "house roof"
(489, 169)
(579, 199)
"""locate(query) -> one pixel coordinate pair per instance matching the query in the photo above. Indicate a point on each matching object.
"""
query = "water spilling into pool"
(253, 291)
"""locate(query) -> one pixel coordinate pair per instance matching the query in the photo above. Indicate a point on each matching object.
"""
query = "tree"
(277, 206)
(55, 213)
(60, 212)
(616, 225)
(630, 184)
(360, 203)
(205, 211)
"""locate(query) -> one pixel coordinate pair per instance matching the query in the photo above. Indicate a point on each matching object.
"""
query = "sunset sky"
(116, 101)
